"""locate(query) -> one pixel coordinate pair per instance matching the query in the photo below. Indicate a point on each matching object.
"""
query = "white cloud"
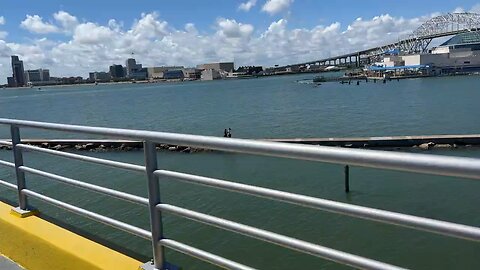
(3, 34)
(275, 6)
(247, 5)
(66, 20)
(35, 24)
(90, 33)
(232, 29)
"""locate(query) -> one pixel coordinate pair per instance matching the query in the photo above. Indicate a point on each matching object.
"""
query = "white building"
(460, 53)
(210, 74)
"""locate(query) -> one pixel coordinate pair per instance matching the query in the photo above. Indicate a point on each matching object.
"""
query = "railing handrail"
(420, 163)
(439, 165)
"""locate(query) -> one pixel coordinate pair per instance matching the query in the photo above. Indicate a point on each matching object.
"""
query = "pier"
(390, 141)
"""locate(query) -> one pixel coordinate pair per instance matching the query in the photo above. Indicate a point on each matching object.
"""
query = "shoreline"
(332, 79)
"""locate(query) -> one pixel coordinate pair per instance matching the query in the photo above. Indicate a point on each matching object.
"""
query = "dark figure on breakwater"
(225, 133)
(229, 132)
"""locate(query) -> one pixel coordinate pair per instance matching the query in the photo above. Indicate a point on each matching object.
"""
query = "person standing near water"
(225, 133)
(229, 132)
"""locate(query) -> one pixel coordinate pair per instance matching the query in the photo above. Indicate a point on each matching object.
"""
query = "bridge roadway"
(357, 56)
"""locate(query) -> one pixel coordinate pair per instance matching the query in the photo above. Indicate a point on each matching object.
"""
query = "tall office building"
(37, 75)
(117, 71)
(18, 71)
(132, 67)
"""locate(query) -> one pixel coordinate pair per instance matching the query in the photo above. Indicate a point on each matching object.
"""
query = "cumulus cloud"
(275, 6)
(35, 24)
(90, 33)
(66, 20)
(246, 6)
(232, 29)
(93, 46)
(3, 34)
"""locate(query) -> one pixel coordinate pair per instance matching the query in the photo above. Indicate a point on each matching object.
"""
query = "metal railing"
(430, 164)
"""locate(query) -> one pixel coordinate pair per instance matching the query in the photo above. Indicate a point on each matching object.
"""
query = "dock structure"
(389, 141)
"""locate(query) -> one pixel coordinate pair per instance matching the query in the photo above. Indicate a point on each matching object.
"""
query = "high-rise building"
(117, 71)
(37, 75)
(18, 71)
(132, 67)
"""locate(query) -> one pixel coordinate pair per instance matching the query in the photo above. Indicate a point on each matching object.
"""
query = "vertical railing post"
(18, 158)
(347, 178)
(154, 199)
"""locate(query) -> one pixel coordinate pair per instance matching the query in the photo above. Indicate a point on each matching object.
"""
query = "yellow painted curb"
(39, 245)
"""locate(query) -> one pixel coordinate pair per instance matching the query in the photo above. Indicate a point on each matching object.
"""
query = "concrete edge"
(39, 245)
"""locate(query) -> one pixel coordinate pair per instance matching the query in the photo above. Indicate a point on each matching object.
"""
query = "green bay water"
(264, 108)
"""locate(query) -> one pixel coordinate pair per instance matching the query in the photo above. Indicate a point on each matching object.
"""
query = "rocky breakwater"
(105, 146)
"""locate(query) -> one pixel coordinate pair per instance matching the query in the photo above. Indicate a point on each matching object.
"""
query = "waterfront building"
(132, 67)
(173, 74)
(192, 73)
(37, 75)
(210, 74)
(11, 82)
(18, 72)
(461, 53)
(140, 74)
(116, 72)
(159, 72)
(99, 76)
(225, 66)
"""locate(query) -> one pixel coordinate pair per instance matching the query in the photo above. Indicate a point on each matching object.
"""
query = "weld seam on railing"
(414, 222)
(106, 191)
(106, 162)
(420, 163)
(6, 143)
(278, 239)
(7, 164)
(91, 215)
(203, 255)
(8, 185)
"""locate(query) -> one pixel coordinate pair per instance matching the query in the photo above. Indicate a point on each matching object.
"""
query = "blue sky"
(157, 31)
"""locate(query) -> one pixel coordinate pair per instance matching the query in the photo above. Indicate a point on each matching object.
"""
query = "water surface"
(265, 108)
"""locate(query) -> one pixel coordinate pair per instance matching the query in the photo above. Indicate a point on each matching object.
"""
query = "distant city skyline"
(72, 39)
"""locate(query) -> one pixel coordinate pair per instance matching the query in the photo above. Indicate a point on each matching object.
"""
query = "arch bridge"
(441, 26)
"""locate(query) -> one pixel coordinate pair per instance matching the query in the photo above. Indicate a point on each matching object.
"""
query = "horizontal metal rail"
(6, 143)
(410, 221)
(7, 184)
(203, 255)
(106, 162)
(91, 215)
(87, 186)
(420, 163)
(278, 239)
(7, 164)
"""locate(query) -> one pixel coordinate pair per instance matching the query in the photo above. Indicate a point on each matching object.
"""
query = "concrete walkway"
(7, 264)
